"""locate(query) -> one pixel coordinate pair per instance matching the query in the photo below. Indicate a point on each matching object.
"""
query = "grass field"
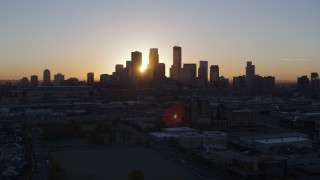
(114, 163)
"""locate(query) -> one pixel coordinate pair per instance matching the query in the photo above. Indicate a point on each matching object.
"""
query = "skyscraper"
(203, 70)
(176, 67)
(177, 56)
(214, 73)
(303, 83)
(153, 61)
(314, 75)
(136, 62)
(34, 80)
(188, 73)
(250, 75)
(119, 68)
(250, 71)
(159, 71)
(90, 79)
(58, 79)
(46, 77)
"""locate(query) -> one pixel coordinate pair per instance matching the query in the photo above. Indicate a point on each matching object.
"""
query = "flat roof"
(173, 129)
(273, 136)
(281, 140)
(163, 135)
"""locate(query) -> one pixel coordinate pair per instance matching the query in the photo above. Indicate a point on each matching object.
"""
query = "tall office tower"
(250, 71)
(90, 79)
(192, 68)
(119, 68)
(238, 82)
(46, 77)
(58, 79)
(24, 81)
(188, 73)
(153, 60)
(203, 70)
(214, 73)
(159, 71)
(177, 56)
(314, 75)
(269, 82)
(136, 62)
(104, 79)
(315, 82)
(303, 83)
(34, 80)
(176, 67)
(129, 68)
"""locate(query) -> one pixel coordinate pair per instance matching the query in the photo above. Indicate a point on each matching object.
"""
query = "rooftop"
(281, 140)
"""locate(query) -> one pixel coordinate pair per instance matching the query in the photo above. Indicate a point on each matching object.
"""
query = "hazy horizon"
(76, 37)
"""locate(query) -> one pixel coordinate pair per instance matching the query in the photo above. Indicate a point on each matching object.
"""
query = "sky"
(74, 37)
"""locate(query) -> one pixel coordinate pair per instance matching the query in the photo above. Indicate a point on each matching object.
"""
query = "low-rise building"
(277, 142)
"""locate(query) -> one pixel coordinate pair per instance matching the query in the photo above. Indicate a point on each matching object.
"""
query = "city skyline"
(199, 70)
(279, 37)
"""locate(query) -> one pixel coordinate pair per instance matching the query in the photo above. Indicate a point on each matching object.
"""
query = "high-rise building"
(90, 79)
(119, 68)
(34, 80)
(269, 82)
(238, 82)
(214, 74)
(129, 68)
(46, 77)
(188, 73)
(315, 82)
(177, 56)
(314, 75)
(159, 71)
(203, 70)
(192, 68)
(58, 79)
(136, 63)
(104, 79)
(250, 71)
(176, 67)
(303, 83)
(250, 75)
(153, 60)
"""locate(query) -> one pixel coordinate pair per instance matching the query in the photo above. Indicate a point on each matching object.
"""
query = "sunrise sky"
(73, 37)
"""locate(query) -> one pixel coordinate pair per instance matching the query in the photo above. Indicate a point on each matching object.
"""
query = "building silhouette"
(46, 77)
(176, 67)
(303, 84)
(153, 61)
(315, 82)
(90, 79)
(104, 79)
(214, 74)
(188, 73)
(159, 72)
(314, 75)
(269, 82)
(58, 79)
(203, 70)
(250, 73)
(136, 62)
(34, 80)
(119, 68)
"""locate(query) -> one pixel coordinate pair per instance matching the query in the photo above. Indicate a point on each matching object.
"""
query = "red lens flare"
(174, 114)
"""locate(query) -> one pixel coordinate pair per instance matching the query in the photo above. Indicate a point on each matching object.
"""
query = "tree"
(136, 175)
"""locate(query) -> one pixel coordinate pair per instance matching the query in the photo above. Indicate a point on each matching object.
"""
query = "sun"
(142, 69)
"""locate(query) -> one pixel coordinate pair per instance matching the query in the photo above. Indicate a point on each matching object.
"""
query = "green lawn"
(114, 163)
